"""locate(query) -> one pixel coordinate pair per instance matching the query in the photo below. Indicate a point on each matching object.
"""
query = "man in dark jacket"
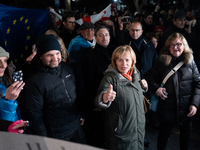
(144, 49)
(95, 62)
(69, 24)
(180, 25)
(50, 95)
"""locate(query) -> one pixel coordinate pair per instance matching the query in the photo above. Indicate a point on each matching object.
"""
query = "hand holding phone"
(14, 89)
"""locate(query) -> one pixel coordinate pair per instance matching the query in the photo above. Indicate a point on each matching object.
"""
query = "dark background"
(94, 4)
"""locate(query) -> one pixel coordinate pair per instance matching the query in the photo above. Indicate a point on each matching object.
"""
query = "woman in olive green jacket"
(121, 94)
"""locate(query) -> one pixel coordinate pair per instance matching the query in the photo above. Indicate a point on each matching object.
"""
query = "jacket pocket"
(118, 129)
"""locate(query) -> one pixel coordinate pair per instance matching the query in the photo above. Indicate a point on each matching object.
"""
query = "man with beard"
(50, 95)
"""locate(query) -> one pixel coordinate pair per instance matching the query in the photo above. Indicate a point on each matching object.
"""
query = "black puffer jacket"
(50, 101)
(183, 87)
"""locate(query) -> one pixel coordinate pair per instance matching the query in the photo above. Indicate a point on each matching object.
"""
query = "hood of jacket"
(166, 57)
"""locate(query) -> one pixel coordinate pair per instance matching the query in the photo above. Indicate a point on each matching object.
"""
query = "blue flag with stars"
(19, 29)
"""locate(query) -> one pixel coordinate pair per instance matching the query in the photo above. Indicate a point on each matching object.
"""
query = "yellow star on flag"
(21, 18)
(21, 55)
(28, 27)
(8, 30)
(26, 47)
(14, 21)
(15, 60)
(26, 20)
(28, 37)
(5, 43)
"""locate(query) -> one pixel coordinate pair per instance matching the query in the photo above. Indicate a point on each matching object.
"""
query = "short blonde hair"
(118, 53)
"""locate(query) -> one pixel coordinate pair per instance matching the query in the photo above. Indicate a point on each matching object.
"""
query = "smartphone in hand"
(18, 76)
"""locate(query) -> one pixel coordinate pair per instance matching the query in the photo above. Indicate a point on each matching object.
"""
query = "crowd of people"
(85, 83)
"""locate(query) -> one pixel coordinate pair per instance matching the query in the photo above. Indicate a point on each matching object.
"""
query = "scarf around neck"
(128, 75)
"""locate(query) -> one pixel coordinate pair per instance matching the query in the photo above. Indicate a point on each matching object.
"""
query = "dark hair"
(100, 27)
(150, 35)
(147, 14)
(7, 79)
(67, 15)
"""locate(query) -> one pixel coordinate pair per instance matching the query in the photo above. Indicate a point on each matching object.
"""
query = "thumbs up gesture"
(109, 95)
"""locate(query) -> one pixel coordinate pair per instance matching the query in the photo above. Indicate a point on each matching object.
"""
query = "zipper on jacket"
(66, 89)
(63, 84)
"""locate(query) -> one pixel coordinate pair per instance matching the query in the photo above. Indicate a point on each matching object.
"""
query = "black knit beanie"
(46, 43)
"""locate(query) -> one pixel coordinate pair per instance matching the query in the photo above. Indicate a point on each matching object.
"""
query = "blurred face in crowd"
(159, 32)
(110, 25)
(155, 41)
(149, 19)
(135, 30)
(103, 37)
(180, 23)
(176, 47)
(51, 58)
(88, 34)
(69, 24)
(3, 65)
(124, 62)
(170, 12)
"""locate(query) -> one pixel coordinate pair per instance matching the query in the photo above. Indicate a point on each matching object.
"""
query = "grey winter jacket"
(125, 118)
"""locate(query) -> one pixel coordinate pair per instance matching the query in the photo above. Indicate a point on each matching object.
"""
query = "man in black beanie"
(50, 95)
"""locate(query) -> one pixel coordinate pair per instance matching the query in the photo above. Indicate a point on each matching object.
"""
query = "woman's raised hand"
(109, 95)
(13, 91)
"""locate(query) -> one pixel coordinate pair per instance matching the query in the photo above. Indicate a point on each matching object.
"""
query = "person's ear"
(64, 23)
(174, 21)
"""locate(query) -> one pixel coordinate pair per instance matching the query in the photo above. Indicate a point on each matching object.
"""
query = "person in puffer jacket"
(50, 95)
(179, 98)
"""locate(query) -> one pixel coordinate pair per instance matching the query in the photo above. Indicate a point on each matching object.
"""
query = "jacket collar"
(167, 58)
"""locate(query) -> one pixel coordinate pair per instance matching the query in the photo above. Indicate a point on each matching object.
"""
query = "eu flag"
(19, 29)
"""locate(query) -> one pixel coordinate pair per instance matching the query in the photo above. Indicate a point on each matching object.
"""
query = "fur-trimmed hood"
(166, 57)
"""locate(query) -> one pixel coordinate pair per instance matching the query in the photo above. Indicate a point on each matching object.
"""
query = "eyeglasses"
(177, 44)
(135, 30)
(71, 22)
